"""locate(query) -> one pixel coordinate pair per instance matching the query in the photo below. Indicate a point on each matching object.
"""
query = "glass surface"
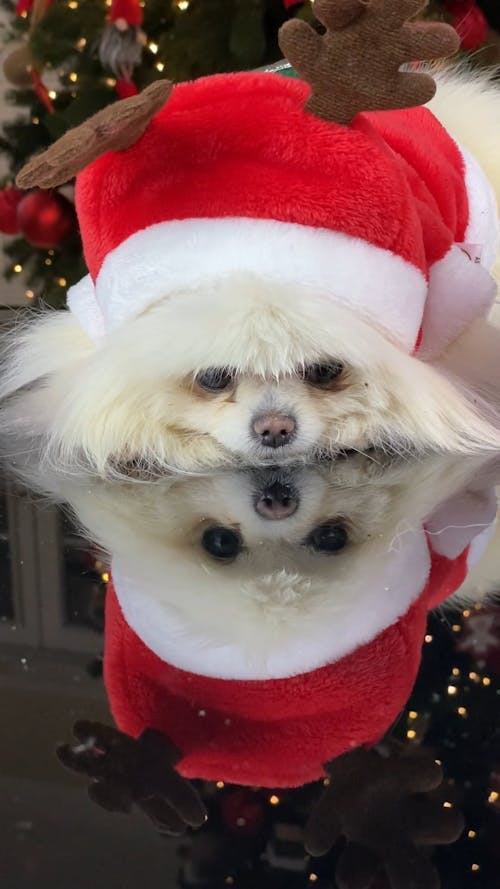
(6, 602)
(84, 587)
(270, 627)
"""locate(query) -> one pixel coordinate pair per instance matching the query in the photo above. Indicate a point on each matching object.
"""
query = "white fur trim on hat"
(484, 226)
(83, 304)
(460, 285)
(184, 254)
(460, 290)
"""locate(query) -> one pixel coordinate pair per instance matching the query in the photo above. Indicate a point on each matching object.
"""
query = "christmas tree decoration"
(244, 812)
(122, 43)
(10, 199)
(23, 7)
(20, 67)
(185, 40)
(42, 92)
(58, 40)
(480, 637)
(46, 218)
(17, 66)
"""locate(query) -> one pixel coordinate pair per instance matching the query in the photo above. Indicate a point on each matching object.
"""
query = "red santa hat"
(291, 182)
(276, 721)
(233, 175)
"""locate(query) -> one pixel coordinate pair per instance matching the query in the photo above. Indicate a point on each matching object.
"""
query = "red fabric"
(41, 91)
(280, 732)
(270, 733)
(469, 21)
(447, 575)
(10, 199)
(46, 218)
(23, 6)
(129, 10)
(242, 145)
(126, 88)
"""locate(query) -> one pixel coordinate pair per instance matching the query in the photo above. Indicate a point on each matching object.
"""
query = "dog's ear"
(112, 129)
(355, 65)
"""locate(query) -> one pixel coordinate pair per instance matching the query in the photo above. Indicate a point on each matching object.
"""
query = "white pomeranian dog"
(262, 560)
(245, 370)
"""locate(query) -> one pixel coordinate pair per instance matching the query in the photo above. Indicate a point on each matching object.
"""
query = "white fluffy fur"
(278, 608)
(69, 403)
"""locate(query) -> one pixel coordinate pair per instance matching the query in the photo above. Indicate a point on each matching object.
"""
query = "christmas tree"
(66, 59)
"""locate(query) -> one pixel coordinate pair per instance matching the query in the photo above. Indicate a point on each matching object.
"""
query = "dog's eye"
(322, 374)
(215, 379)
(221, 543)
(330, 537)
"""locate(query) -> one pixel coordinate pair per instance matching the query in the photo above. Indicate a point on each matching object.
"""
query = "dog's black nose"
(274, 430)
(277, 501)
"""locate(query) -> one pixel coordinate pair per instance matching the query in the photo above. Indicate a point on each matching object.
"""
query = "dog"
(260, 561)
(248, 371)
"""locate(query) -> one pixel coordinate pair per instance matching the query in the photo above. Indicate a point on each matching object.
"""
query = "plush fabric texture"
(280, 732)
(382, 38)
(334, 630)
(241, 147)
(274, 733)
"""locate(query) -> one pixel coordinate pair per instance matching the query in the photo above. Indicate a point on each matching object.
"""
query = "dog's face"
(243, 372)
(268, 559)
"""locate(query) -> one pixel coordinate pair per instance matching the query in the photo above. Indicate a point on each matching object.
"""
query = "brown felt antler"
(127, 771)
(387, 804)
(114, 128)
(355, 65)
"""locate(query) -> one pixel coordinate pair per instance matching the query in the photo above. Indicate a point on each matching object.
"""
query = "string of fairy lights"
(458, 688)
(110, 82)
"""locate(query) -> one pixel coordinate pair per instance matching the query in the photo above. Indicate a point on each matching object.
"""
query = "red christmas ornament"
(243, 812)
(126, 88)
(470, 23)
(46, 218)
(10, 199)
(289, 3)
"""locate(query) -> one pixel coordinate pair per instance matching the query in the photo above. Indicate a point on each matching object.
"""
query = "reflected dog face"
(241, 373)
(268, 557)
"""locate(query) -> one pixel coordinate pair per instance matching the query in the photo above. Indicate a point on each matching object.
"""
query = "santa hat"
(380, 212)
(276, 722)
(232, 176)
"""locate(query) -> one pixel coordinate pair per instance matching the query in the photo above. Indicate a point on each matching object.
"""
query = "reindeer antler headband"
(353, 67)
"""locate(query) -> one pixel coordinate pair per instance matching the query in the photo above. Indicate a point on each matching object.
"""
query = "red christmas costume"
(281, 730)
